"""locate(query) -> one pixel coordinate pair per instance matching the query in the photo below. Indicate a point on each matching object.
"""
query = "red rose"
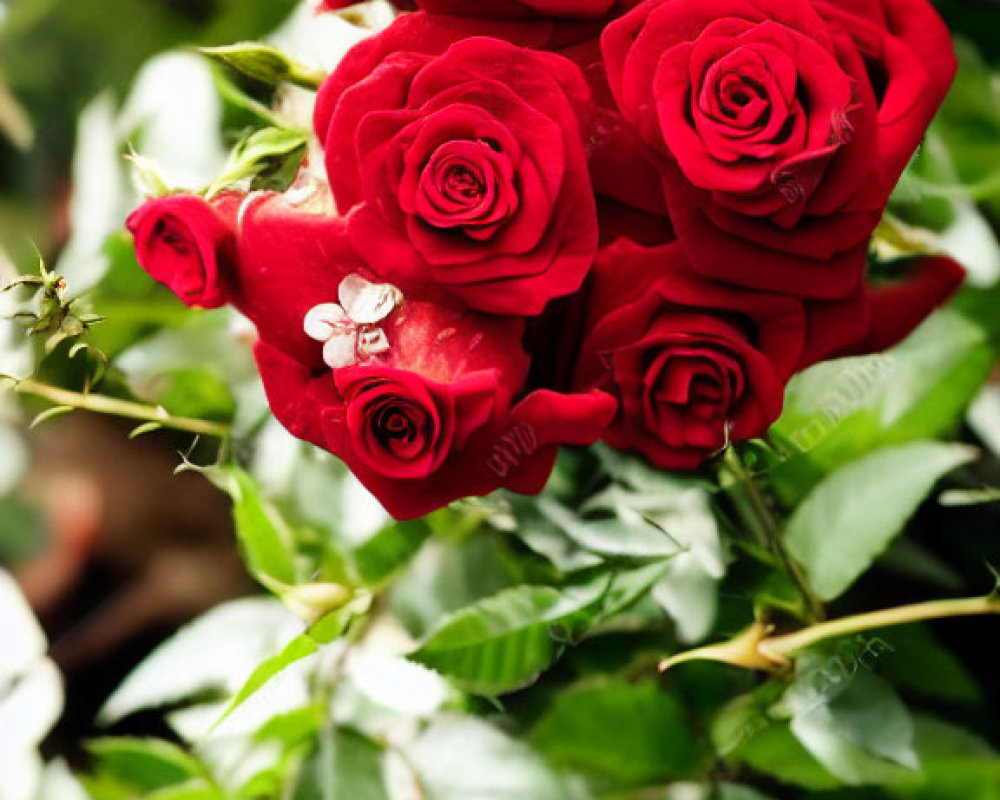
(398, 425)
(336, 5)
(521, 9)
(693, 364)
(899, 306)
(186, 244)
(782, 126)
(418, 444)
(428, 403)
(468, 171)
(294, 258)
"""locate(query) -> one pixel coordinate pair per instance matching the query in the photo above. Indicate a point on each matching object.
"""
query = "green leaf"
(144, 765)
(142, 430)
(222, 642)
(773, 750)
(300, 726)
(23, 530)
(632, 538)
(274, 152)
(865, 713)
(376, 560)
(504, 642)
(358, 767)
(326, 630)
(446, 578)
(461, 758)
(297, 649)
(346, 764)
(267, 543)
(629, 734)
(265, 64)
(954, 762)
(731, 791)
(198, 394)
(941, 676)
(850, 518)
(840, 410)
(194, 790)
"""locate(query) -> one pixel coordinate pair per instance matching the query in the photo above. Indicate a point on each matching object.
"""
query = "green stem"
(789, 643)
(101, 404)
(772, 535)
(755, 648)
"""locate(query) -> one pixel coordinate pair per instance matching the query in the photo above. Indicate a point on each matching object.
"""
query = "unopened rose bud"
(311, 601)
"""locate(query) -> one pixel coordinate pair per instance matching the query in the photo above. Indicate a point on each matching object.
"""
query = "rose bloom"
(187, 245)
(781, 126)
(465, 169)
(426, 405)
(694, 364)
(503, 9)
(336, 5)
(521, 9)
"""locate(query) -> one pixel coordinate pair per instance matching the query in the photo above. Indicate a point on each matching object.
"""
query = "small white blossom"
(350, 330)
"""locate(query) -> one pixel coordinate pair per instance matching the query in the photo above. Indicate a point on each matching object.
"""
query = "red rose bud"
(781, 126)
(470, 172)
(692, 363)
(187, 244)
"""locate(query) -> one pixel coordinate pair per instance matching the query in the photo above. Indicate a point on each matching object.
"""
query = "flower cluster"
(549, 222)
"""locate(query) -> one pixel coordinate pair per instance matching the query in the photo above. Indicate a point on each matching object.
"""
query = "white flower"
(350, 330)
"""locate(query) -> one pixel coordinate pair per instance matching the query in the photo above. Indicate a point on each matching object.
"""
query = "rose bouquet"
(601, 394)
(536, 224)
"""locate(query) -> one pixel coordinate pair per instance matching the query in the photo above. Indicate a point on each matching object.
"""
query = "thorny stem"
(101, 404)
(755, 648)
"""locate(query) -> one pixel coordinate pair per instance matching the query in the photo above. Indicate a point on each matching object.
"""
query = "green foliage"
(630, 735)
(224, 641)
(861, 735)
(265, 64)
(200, 393)
(345, 764)
(850, 518)
(460, 757)
(841, 410)
(376, 560)
(325, 630)
(267, 543)
(265, 159)
(127, 767)
(504, 642)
